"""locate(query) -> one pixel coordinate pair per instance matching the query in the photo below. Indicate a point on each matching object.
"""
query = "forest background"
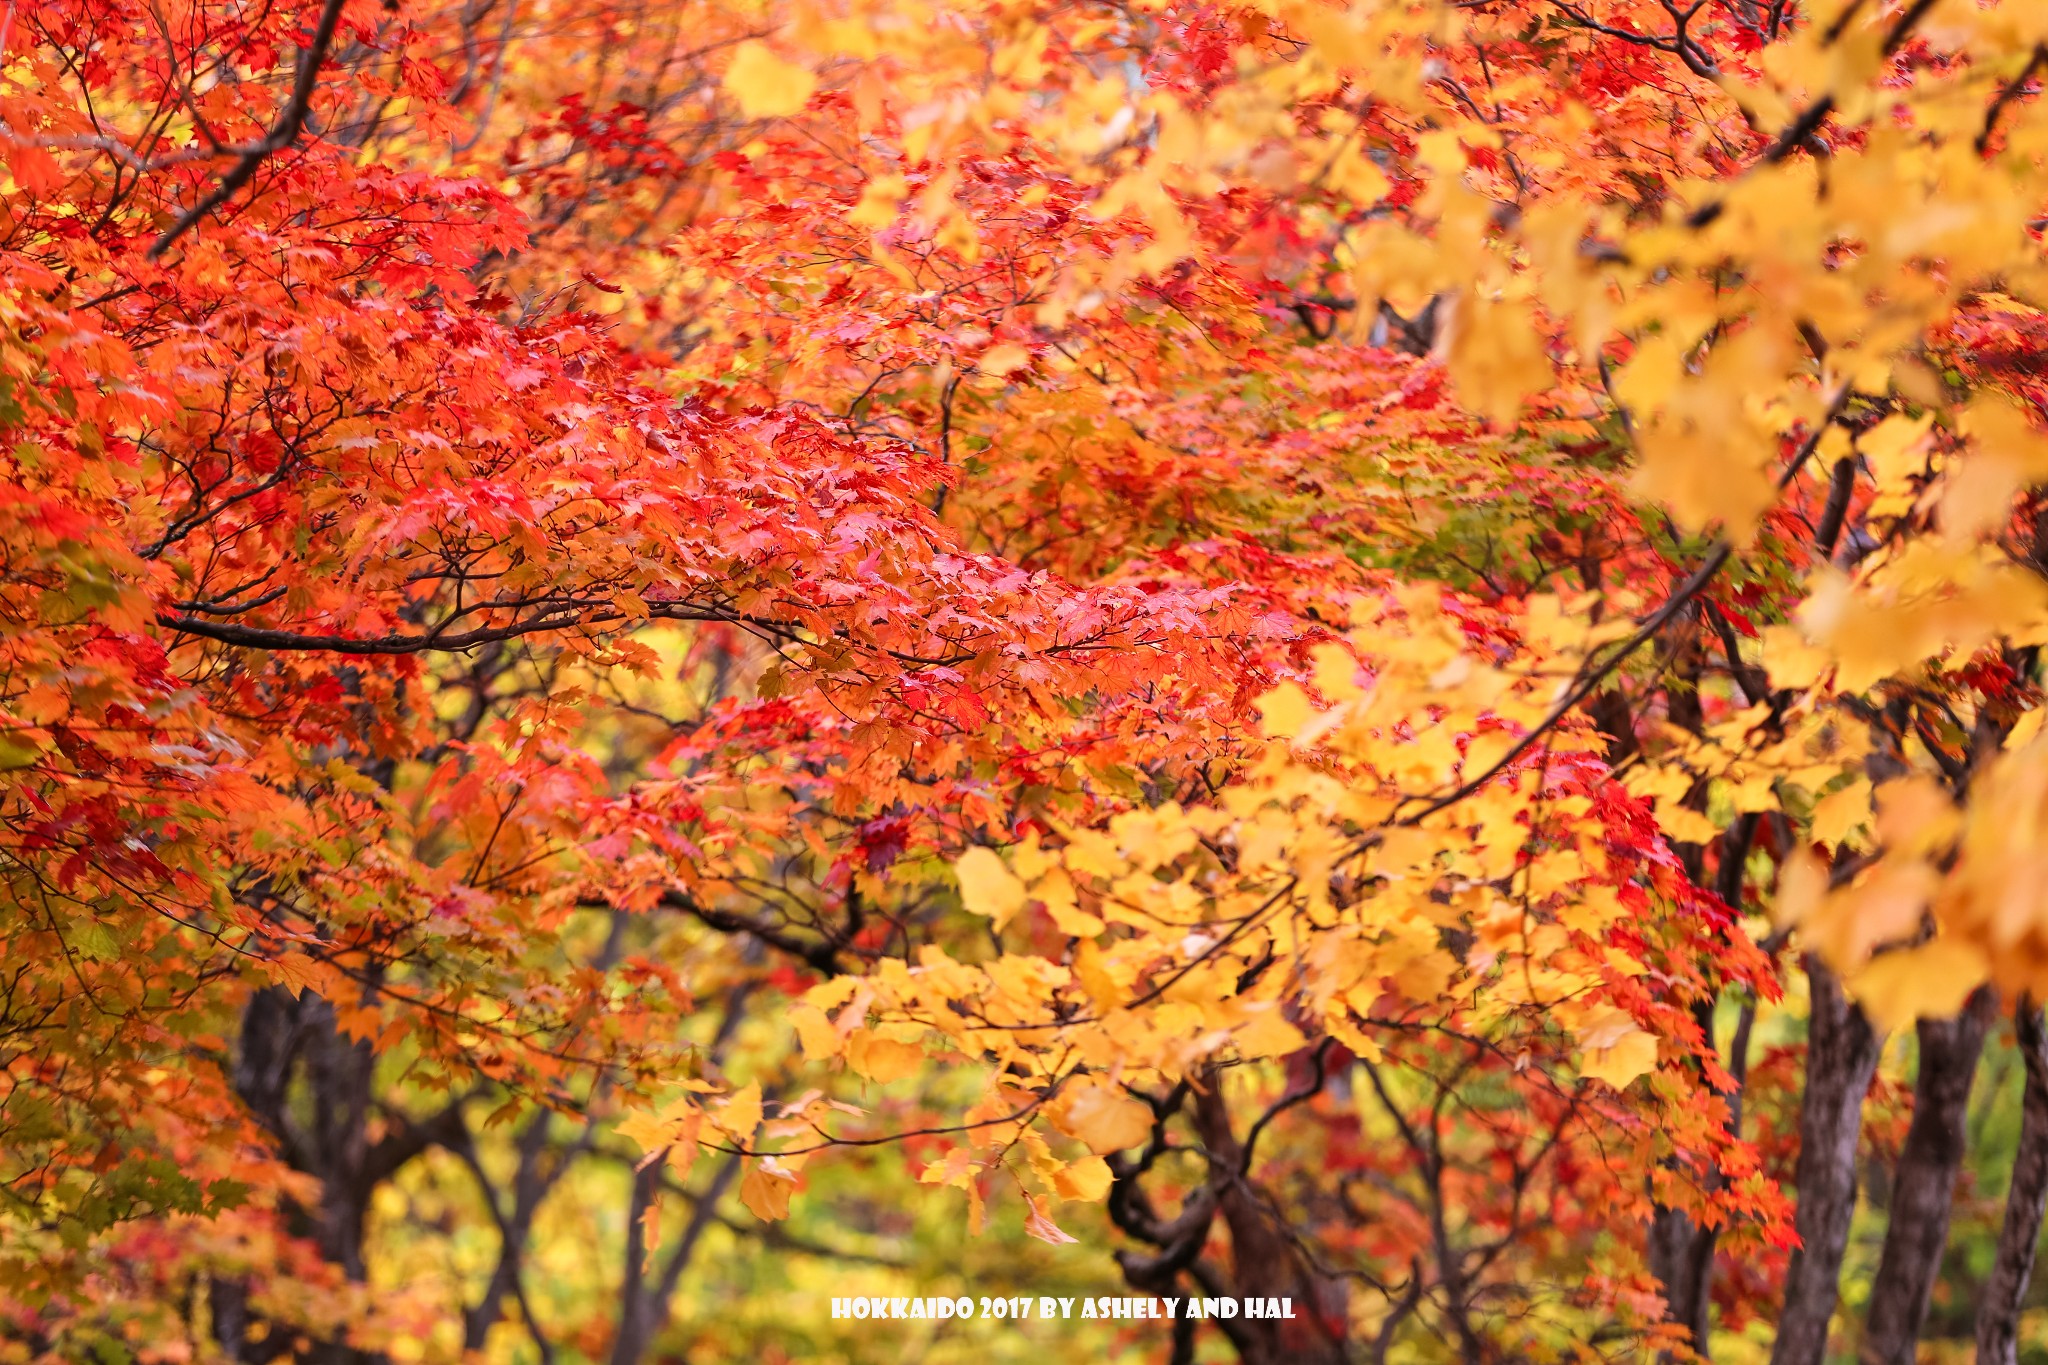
(661, 662)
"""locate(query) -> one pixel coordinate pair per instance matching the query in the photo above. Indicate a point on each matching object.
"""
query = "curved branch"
(1590, 680)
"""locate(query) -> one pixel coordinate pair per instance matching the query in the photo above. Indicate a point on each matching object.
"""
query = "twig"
(2010, 93)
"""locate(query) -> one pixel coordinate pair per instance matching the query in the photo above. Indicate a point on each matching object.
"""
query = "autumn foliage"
(1379, 652)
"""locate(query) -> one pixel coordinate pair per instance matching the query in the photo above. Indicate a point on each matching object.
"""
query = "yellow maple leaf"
(1685, 825)
(1092, 970)
(1631, 1054)
(1929, 981)
(1802, 887)
(815, 1032)
(1337, 1022)
(987, 886)
(1495, 355)
(1838, 815)
(1105, 1119)
(671, 1131)
(741, 1114)
(880, 202)
(1057, 891)
(766, 1188)
(647, 1130)
(1087, 1180)
(1284, 711)
(1002, 360)
(881, 1060)
(1616, 1049)
(764, 85)
(1266, 1033)
(682, 1146)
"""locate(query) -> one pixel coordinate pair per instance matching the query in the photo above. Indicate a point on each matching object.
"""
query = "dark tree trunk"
(1264, 1261)
(262, 1077)
(1923, 1187)
(1998, 1313)
(1682, 1259)
(1841, 1057)
(338, 1072)
(324, 1133)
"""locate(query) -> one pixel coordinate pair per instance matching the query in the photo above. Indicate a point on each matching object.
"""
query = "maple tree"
(1358, 652)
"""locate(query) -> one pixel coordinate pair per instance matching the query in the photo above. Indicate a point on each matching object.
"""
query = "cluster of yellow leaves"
(1754, 306)
(675, 1132)
(1318, 888)
(1927, 897)
(1916, 893)
(1754, 762)
(1320, 897)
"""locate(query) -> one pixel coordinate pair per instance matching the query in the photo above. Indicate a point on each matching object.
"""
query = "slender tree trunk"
(530, 1184)
(1923, 1188)
(645, 1309)
(1682, 1251)
(635, 1317)
(1841, 1057)
(1998, 1313)
(649, 1289)
(1682, 1259)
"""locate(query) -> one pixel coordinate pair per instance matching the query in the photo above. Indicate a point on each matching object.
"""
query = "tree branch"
(284, 131)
